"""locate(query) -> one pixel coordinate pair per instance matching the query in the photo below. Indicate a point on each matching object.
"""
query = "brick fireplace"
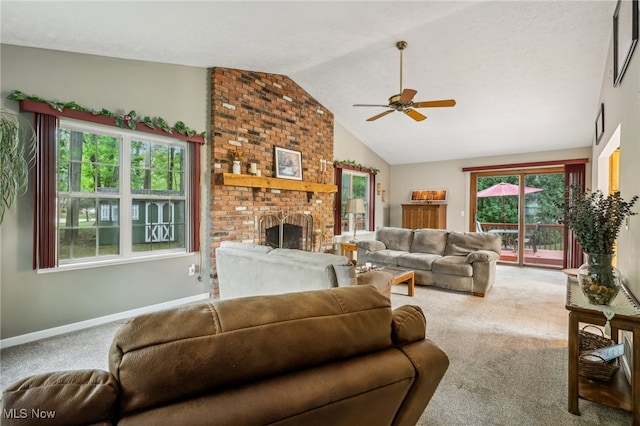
(255, 112)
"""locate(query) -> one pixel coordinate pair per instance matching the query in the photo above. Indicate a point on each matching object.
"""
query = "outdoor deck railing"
(548, 236)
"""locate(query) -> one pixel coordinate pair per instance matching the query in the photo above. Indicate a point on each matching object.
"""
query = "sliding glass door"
(520, 206)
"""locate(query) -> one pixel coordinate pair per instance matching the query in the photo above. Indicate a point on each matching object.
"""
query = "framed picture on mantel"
(288, 163)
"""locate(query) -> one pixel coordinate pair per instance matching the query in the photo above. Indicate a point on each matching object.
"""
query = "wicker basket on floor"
(599, 370)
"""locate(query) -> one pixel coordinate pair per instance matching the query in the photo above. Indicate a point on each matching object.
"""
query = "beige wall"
(449, 175)
(31, 301)
(348, 147)
(622, 126)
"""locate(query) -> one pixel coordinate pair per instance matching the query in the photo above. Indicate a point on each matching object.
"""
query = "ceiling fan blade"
(407, 95)
(369, 105)
(415, 114)
(375, 117)
(434, 104)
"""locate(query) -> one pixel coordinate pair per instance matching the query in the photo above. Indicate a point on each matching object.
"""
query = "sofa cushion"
(169, 356)
(453, 265)
(431, 241)
(386, 257)
(311, 256)
(421, 261)
(395, 238)
(345, 273)
(252, 248)
(463, 243)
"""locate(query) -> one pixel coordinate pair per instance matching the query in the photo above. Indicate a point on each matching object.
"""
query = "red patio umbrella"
(503, 189)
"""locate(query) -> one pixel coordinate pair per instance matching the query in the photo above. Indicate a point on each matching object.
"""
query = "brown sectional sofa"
(328, 357)
(461, 261)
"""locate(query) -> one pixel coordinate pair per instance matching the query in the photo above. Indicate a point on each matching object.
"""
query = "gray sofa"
(246, 269)
(461, 261)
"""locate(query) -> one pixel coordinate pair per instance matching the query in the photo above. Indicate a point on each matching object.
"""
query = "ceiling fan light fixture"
(403, 101)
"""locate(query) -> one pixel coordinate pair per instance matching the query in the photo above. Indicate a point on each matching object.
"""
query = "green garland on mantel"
(120, 120)
(355, 165)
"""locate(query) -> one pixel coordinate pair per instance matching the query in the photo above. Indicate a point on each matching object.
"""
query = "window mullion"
(126, 227)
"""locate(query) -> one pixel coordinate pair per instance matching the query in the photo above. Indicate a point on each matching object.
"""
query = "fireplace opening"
(291, 236)
(292, 231)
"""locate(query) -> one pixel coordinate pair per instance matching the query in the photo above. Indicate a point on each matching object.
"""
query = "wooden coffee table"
(401, 276)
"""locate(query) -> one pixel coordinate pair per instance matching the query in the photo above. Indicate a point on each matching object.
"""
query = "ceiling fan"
(403, 101)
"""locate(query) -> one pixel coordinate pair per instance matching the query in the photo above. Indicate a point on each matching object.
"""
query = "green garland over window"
(355, 165)
(130, 120)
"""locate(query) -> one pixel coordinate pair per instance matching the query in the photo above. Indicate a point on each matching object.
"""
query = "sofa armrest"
(371, 245)
(482, 256)
(430, 364)
(381, 280)
(408, 325)
(65, 397)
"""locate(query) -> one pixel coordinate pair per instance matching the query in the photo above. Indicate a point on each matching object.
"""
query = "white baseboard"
(50, 332)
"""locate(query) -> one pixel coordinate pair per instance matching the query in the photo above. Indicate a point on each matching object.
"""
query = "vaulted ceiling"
(526, 75)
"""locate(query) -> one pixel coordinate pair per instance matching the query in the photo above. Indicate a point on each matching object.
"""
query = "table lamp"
(355, 206)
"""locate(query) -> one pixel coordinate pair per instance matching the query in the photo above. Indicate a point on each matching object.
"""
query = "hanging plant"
(17, 152)
(129, 120)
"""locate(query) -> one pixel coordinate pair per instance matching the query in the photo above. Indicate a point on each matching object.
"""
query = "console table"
(617, 393)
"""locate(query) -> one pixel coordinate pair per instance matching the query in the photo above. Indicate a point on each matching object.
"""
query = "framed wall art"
(288, 163)
(600, 124)
(428, 195)
(625, 37)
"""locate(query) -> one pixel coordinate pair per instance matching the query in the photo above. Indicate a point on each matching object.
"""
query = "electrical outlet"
(192, 270)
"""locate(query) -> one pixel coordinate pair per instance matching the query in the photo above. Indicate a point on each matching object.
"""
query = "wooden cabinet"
(415, 216)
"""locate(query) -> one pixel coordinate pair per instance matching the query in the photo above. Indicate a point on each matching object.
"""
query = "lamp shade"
(355, 205)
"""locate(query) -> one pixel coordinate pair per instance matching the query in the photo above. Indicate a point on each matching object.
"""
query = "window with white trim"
(355, 184)
(120, 194)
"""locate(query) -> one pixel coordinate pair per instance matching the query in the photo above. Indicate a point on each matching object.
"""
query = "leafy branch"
(355, 165)
(595, 218)
(129, 120)
(17, 153)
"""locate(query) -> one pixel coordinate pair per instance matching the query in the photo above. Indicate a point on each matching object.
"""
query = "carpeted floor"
(508, 353)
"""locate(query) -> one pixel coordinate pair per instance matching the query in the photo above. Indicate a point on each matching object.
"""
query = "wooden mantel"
(272, 183)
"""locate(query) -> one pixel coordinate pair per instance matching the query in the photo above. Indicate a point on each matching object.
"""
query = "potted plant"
(17, 151)
(596, 218)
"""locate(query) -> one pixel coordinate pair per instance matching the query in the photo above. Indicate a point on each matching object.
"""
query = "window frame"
(125, 194)
(340, 169)
(46, 122)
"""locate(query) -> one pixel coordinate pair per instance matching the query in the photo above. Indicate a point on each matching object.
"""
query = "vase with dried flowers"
(596, 218)
(236, 157)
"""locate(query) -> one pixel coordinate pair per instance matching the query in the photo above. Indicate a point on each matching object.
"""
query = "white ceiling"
(526, 75)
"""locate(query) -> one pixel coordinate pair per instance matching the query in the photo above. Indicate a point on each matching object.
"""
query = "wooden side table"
(347, 249)
(617, 393)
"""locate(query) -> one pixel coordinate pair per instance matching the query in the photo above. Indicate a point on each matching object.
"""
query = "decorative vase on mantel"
(236, 167)
(599, 280)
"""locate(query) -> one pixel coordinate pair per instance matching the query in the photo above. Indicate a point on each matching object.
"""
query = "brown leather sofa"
(328, 357)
